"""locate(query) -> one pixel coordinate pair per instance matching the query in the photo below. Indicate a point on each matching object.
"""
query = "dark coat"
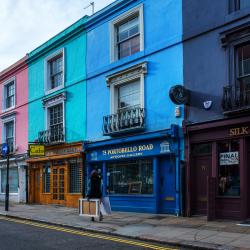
(95, 187)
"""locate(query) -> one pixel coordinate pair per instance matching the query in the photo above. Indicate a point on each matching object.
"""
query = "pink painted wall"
(20, 72)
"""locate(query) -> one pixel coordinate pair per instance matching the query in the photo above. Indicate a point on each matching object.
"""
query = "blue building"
(134, 56)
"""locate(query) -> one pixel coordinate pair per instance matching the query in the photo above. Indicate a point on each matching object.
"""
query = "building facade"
(57, 117)
(134, 140)
(216, 72)
(14, 129)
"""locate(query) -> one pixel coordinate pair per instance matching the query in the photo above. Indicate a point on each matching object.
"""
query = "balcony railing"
(124, 121)
(236, 98)
(54, 135)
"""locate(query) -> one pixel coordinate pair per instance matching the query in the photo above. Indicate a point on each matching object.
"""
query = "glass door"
(58, 182)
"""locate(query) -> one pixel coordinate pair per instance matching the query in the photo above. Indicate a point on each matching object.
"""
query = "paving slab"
(181, 231)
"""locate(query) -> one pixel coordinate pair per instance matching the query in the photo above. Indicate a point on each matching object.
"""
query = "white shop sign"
(230, 158)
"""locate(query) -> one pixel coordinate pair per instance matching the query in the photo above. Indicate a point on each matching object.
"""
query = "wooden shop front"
(57, 178)
(218, 160)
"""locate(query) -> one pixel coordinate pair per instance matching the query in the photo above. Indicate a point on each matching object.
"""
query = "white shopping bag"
(105, 206)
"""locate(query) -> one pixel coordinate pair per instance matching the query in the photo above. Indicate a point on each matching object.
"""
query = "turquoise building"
(57, 116)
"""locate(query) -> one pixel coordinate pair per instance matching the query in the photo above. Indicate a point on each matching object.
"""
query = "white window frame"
(4, 121)
(113, 30)
(53, 101)
(126, 76)
(47, 83)
(4, 94)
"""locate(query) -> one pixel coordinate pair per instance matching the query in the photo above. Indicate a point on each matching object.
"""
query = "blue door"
(167, 185)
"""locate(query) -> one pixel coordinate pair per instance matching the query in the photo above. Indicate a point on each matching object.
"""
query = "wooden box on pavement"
(89, 207)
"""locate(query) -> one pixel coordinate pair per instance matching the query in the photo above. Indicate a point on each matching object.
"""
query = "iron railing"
(236, 98)
(123, 121)
(53, 135)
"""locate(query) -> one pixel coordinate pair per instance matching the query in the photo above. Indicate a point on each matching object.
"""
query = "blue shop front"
(141, 172)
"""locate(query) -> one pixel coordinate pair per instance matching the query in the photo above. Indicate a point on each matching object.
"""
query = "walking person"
(95, 189)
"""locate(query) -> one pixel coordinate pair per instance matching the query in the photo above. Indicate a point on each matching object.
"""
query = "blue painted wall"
(73, 40)
(206, 62)
(163, 52)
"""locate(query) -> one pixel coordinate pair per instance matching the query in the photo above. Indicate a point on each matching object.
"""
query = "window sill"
(50, 91)
(10, 193)
(234, 15)
(131, 195)
(227, 197)
(8, 109)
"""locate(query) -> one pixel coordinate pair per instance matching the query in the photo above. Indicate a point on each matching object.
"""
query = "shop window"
(130, 177)
(13, 180)
(46, 179)
(229, 168)
(127, 34)
(201, 149)
(75, 176)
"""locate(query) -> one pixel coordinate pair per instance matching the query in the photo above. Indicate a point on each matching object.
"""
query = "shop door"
(166, 185)
(201, 170)
(37, 185)
(58, 184)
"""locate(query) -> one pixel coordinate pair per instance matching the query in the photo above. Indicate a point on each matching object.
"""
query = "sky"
(26, 24)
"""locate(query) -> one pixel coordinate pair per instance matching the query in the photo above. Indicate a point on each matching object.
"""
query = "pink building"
(14, 128)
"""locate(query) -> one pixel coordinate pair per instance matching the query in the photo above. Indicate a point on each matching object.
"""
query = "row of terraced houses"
(154, 95)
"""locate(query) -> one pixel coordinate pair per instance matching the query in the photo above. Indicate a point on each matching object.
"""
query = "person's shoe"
(92, 219)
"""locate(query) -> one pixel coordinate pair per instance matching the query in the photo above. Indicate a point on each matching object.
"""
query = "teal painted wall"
(74, 84)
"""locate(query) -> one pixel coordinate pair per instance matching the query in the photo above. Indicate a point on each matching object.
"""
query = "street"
(16, 234)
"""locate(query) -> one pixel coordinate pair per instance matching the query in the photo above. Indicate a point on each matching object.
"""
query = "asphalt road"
(18, 234)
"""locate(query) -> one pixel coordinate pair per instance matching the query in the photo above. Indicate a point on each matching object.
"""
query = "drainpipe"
(26, 184)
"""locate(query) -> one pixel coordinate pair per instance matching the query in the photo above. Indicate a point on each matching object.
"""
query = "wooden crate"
(89, 208)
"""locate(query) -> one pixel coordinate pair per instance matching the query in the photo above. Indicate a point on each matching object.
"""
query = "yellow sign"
(36, 150)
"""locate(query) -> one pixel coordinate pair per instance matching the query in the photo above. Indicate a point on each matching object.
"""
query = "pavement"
(194, 232)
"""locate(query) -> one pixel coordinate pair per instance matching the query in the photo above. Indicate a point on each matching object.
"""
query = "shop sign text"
(36, 150)
(130, 151)
(64, 151)
(238, 131)
(229, 158)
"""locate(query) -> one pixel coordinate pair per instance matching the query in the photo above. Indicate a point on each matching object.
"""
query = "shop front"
(140, 173)
(17, 178)
(218, 159)
(57, 177)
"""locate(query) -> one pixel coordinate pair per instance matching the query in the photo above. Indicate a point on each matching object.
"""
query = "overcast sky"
(26, 24)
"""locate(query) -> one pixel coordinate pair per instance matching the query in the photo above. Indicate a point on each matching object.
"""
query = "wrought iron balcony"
(236, 98)
(124, 121)
(54, 135)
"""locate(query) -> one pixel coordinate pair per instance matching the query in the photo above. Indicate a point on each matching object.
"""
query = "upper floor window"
(235, 5)
(8, 133)
(126, 101)
(127, 34)
(129, 95)
(128, 37)
(243, 53)
(54, 116)
(55, 71)
(9, 94)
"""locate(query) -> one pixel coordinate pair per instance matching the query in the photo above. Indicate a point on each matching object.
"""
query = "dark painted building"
(217, 123)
